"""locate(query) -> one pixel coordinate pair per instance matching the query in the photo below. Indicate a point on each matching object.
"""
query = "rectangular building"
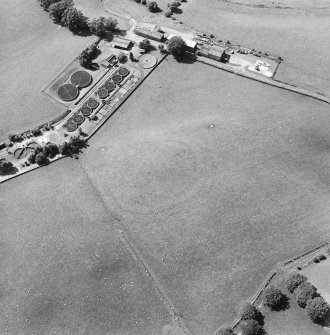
(122, 43)
(144, 32)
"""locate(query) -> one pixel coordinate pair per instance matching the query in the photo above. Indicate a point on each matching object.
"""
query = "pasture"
(65, 269)
(214, 183)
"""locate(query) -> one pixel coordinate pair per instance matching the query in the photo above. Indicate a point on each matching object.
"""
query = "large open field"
(64, 268)
(212, 177)
(33, 51)
(213, 209)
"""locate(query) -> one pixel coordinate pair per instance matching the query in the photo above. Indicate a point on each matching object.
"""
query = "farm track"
(135, 254)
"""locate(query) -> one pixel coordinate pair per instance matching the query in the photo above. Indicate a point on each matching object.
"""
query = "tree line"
(64, 13)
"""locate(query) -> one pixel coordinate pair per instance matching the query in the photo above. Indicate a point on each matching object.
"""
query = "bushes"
(145, 44)
(250, 327)
(72, 147)
(6, 167)
(41, 159)
(15, 138)
(45, 4)
(294, 280)
(36, 132)
(87, 55)
(51, 150)
(250, 312)
(225, 331)
(153, 6)
(305, 292)
(273, 298)
(102, 26)
(317, 309)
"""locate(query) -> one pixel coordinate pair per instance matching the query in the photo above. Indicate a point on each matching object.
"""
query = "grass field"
(65, 269)
(214, 179)
(33, 51)
(213, 209)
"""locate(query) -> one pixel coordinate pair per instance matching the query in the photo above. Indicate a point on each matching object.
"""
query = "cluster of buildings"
(156, 33)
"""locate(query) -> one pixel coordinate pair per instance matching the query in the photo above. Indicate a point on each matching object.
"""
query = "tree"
(250, 327)
(56, 10)
(251, 312)
(74, 19)
(51, 150)
(177, 46)
(32, 158)
(73, 147)
(102, 26)
(317, 309)
(46, 3)
(145, 44)
(305, 292)
(121, 57)
(41, 159)
(225, 331)
(273, 297)
(144, 2)
(153, 6)
(110, 23)
(161, 48)
(294, 280)
(6, 167)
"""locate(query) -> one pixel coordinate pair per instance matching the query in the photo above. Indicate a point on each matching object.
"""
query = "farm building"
(122, 43)
(109, 61)
(151, 34)
(190, 44)
(215, 52)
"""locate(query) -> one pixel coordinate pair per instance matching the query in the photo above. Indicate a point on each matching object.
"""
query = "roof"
(189, 43)
(216, 52)
(121, 42)
(147, 32)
